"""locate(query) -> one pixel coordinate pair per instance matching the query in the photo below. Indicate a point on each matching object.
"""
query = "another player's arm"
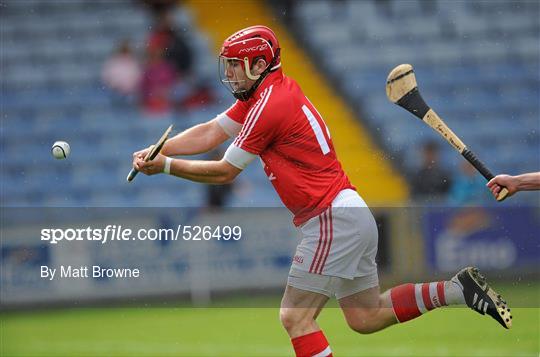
(525, 182)
(198, 139)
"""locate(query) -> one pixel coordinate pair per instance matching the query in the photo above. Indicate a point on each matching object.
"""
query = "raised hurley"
(401, 89)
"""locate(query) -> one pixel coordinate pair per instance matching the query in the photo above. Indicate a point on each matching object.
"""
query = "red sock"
(311, 345)
(412, 300)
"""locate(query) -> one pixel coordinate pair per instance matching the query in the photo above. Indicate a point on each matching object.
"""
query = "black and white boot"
(480, 297)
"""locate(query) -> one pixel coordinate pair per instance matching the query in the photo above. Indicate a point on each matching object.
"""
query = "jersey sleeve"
(261, 127)
(230, 126)
(238, 158)
(232, 119)
(238, 111)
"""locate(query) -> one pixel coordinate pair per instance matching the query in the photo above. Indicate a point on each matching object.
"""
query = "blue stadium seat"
(52, 64)
(476, 64)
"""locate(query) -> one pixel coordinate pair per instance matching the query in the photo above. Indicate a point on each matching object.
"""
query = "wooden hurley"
(151, 155)
(401, 89)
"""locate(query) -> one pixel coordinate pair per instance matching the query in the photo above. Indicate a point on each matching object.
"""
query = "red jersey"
(282, 127)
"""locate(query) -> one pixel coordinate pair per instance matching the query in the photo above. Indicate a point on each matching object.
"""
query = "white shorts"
(331, 285)
(340, 242)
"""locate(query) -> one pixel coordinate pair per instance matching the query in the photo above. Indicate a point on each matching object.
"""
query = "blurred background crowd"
(100, 74)
(162, 82)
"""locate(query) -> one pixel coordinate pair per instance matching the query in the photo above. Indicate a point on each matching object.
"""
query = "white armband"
(237, 157)
(167, 167)
(228, 125)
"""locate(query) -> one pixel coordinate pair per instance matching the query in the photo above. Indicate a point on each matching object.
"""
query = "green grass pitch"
(257, 332)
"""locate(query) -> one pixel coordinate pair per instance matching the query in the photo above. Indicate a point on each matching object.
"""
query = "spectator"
(122, 72)
(187, 91)
(430, 182)
(468, 187)
(173, 44)
(158, 7)
(157, 83)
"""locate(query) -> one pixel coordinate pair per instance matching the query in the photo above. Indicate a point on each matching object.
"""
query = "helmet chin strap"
(245, 95)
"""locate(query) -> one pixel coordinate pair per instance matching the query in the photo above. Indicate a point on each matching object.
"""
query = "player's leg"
(366, 311)
(299, 310)
(467, 287)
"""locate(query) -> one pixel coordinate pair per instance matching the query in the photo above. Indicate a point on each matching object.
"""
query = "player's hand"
(139, 156)
(141, 153)
(148, 167)
(496, 184)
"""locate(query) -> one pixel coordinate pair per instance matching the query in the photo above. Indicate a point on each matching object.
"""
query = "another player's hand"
(148, 167)
(495, 184)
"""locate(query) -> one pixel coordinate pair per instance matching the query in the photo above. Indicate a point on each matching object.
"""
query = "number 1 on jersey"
(317, 130)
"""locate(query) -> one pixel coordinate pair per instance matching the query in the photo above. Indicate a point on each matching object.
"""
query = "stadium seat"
(51, 70)
(483, 85)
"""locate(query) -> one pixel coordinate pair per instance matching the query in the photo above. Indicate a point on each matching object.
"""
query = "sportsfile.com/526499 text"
(118, 233)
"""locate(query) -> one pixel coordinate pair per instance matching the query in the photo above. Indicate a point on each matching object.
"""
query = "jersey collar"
(271, 78)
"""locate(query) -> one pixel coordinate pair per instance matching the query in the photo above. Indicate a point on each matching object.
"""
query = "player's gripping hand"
(510, 182)
(141, 153)
(148, 167)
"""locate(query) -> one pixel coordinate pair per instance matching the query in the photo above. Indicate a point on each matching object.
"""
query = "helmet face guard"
(237, 86)
(238, 55)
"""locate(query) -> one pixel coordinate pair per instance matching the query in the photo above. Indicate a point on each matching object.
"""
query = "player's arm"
(211, 172)
(198, 139)
(524, 182)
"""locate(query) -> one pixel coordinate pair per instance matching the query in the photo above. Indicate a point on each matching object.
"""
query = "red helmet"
(248, 46)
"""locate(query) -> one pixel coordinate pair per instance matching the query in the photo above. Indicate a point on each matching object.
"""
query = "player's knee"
(287, 318)
(364, 329)
(361, 326)
(363, 323)
(291, 319)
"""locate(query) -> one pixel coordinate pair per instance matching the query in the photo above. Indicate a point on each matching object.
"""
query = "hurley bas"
(82, 272)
